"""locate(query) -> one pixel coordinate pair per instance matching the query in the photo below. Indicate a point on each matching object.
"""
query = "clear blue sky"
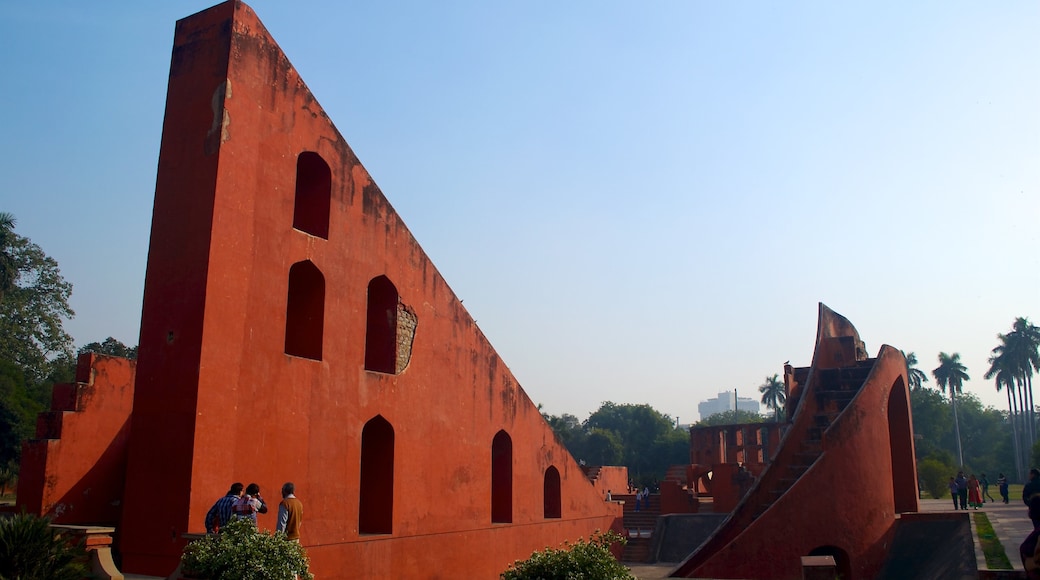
(638, 202)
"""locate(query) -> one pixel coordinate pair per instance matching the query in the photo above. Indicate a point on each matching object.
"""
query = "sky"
(638, 202)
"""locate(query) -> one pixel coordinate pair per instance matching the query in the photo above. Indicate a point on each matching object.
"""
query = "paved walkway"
(1010, 523)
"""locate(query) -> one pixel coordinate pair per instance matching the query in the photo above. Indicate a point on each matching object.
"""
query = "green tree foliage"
(30, 548)
(568, 430)
(732, 417)
(583, 560)
(18, 412)
(636, 436)
(640, 429)
(241, 552)
(986, 433)
(933, 422)
(111, 347)
(33, 310)
(934, 476)
(33, 342)
(603, 447)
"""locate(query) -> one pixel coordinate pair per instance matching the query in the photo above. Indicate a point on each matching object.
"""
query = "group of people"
(972, 492)
(243, 502)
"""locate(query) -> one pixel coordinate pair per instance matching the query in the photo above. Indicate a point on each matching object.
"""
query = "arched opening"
(502, 479)
(381, 334)
(376, 511)
(901, 447)
(841, 559)
(313, 195)
(305, 311)
(552, 506)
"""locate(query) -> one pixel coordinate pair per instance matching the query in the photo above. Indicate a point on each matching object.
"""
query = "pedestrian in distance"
(953, 492)
(974, 492)
(984, 482)
(1002, 487)
(962, 490)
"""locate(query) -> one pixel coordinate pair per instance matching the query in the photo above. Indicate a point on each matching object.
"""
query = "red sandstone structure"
(843, 473)
(294, 330)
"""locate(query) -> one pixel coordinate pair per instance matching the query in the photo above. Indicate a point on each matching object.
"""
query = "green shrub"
(583, 560)
(240, 552)
(31, 548)
(934, 477)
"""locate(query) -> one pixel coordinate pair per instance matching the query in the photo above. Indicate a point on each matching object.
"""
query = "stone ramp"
(678, 535)
(932, 545)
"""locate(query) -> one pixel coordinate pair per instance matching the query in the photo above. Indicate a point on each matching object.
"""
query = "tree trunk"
(1026, 444)
(1031, 414)
(1014, 435)
(957, 429)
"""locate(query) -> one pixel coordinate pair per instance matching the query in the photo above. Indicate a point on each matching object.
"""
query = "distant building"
(726, 401)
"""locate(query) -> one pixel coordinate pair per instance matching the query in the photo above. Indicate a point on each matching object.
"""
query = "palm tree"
(1001, 370)
(952, 373)
(1019, 353)
(914, 375)
(1026, 337)
(774, 395)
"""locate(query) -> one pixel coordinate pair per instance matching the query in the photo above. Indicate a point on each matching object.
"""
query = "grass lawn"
(996, 557)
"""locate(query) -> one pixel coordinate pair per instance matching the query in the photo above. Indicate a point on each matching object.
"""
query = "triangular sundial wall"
(294, 330)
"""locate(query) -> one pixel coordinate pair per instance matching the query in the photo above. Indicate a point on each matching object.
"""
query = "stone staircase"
(834, 390)
(591, 472)
(641, 524)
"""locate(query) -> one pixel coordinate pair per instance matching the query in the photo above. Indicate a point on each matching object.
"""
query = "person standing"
(984, 482)
(974, 495)
(250, 504)
(290, 513)
(218, 515)
(962, 490)
(1002, 487)
(953, 492)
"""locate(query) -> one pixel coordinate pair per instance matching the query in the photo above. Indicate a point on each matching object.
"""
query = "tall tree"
(951, 373)
(1017, 355)
(33, 310)
(914, 376)
(1026, 339)
(774, 395)
(1003, 373)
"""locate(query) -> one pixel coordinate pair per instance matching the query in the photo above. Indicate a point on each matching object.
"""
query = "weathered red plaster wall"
(217, 398)
(850, 496)
(676, 500)
(73, 470)
(722, 448)
(613, 478)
